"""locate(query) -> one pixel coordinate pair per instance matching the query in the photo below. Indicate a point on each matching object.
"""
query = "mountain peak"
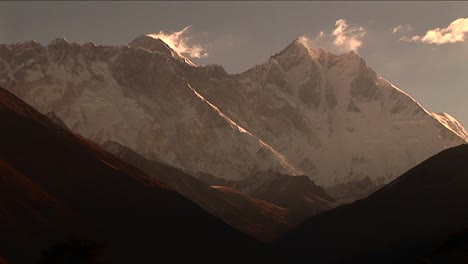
(158, 45)
(295, 53)
(29, 45)
(299, 45)
(152, 44)
(59, 41)
(300, 41)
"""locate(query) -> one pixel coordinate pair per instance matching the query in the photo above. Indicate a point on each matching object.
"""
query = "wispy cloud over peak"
(179, 41)
(348, 37)
(343, 38)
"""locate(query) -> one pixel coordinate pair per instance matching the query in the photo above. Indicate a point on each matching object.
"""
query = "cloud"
(455, 32)
(342, 39)
(178, 41)
(402, 29)
(348, 37)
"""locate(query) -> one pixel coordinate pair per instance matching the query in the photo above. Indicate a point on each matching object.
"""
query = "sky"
(421, 47)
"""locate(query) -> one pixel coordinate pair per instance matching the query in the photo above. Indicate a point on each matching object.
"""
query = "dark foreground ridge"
(56, 187)
(258, 218)
(411, 219)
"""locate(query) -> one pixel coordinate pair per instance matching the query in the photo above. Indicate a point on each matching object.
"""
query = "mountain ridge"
(294, 105)
(302, 100)
(158, 102)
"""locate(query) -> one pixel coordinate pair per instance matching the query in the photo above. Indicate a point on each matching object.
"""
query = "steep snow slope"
(136, 95)
(451, 123)
(332, 116)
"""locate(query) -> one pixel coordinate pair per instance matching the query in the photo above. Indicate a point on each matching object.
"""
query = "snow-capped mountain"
(135, 94)
(332, 116)
(158, 45)
(304, 111)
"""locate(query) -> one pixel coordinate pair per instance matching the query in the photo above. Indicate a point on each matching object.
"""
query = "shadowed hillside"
(56, 175)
